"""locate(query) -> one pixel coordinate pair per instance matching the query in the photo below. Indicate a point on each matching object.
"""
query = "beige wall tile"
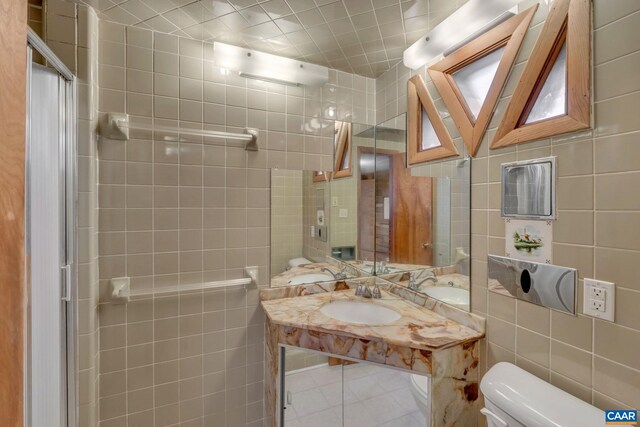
(609, 196)
(573, 330)
(572, 362)
(610, 41)
(616, 381)
(502, 307)
(532, 346)
(618, 229)
(570, 386)
(574, 227)
(617, 153)
(501, 333)
(618, 266)
(617, 343)
(533, 317)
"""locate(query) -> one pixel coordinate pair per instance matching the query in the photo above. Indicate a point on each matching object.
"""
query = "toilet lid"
(420, 384)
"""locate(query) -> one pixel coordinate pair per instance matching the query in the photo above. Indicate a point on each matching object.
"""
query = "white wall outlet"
(343, 213)
(334, 201)
(599, 299)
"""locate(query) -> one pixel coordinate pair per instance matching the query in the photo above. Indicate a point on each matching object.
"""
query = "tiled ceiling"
(364, 37)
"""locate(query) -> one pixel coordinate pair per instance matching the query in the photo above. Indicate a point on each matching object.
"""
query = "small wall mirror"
(528, 189)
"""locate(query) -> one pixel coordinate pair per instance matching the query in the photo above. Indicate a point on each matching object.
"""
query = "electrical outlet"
(599, 299)
(343, 213)
(598, 305)
(598, 293)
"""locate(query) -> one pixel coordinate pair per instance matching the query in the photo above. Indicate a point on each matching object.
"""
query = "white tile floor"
(373, 396)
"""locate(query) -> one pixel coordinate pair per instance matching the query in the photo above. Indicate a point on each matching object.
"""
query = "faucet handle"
(376, 291)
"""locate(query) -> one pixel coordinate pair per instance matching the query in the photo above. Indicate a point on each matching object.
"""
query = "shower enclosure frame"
(68, 188)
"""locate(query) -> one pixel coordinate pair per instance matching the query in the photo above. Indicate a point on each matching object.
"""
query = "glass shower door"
(48, 220)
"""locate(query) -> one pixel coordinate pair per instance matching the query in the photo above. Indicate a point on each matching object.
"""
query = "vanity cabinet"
(346, 394)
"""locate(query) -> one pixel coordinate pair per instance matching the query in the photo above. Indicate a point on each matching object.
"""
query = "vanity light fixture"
(468, 22)
(266, 67)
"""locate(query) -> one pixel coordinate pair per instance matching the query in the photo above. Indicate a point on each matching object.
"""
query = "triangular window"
(553, 95)
(474, 80)
(471, 78)
(551, 100)
(427, 136)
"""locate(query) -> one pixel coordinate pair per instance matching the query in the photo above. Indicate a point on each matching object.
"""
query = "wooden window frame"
(342, 143)
(568, 21)
(321, 176)
(509, 35)
(418, 98)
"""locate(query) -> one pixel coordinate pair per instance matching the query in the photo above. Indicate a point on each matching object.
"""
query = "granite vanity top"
(417, 327)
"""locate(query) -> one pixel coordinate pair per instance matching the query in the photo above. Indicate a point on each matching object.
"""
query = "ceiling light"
(469, 21)
(267, 67)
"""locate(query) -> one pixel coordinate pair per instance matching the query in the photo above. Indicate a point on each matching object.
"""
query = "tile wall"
(596, 231)
(314, 249)
(72, 34)
(183, 213)
(286, 218)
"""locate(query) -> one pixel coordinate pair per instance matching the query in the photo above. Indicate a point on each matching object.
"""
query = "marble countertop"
(417, 327)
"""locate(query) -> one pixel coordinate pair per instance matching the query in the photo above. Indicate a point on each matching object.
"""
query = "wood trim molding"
(568, 21)
(509, 35)
(418, 98)
(321, 176)
(13, 85)
(343, 139)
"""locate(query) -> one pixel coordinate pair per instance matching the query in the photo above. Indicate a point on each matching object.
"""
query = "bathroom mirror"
(423, 216)
(528, 189)
(300, 224)
(352, 209)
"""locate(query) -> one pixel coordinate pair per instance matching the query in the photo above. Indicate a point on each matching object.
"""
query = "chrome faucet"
(415, 285)
(337, 276)
(365, 291)
(382, 268)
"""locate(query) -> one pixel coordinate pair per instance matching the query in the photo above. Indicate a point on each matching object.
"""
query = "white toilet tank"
(515, 398)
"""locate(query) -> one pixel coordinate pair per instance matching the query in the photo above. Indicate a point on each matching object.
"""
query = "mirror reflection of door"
(401, 229)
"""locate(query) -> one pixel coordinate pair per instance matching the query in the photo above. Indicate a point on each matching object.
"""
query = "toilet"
(297, 262)
(420, 386)
(515, 398)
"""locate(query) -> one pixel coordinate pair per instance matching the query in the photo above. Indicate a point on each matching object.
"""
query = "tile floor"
(373, 396)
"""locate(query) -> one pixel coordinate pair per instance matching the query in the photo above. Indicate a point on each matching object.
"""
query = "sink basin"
(310, 278)
(447, 294)
(363, 313)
